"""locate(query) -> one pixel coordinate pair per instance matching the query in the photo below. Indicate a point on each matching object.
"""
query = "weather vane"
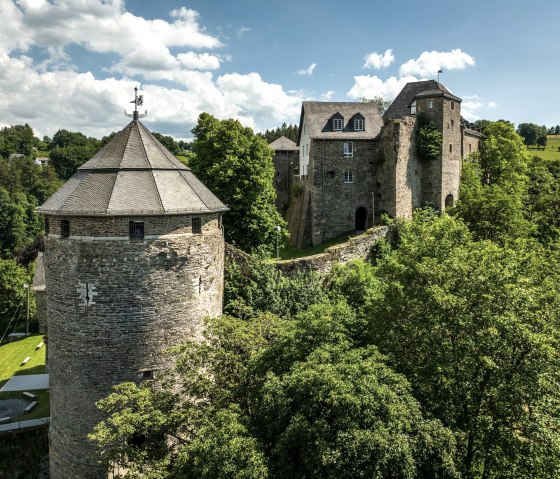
(138, 101)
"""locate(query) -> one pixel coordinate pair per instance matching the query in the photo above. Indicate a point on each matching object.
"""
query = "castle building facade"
(355, 164)
(134, 258)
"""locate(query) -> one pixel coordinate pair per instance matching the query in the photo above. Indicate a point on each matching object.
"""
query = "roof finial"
(138, 101)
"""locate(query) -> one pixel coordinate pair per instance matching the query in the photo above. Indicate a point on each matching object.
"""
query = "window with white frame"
(413, 108)
(337, 124)
(348, 149)
(430, 104)
(359, 124)
(348, 176)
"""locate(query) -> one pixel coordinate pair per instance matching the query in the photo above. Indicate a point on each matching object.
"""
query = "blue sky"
(73, 64)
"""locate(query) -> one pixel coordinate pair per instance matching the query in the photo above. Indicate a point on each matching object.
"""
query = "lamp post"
(278, 229)
(26, 286)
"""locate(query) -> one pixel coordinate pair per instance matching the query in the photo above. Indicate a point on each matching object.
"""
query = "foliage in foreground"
(277, 398)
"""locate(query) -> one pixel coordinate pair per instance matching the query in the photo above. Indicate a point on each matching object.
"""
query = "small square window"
(136, 230)
(348, 150)
(148, 375)
(337, 124)
(65, 229)
(330, 174)
(196, 226)
(348, 177)
(359, 124)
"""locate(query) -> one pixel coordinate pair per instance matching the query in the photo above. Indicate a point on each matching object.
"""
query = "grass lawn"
(551, 151)
(12, 354)
(291, 252)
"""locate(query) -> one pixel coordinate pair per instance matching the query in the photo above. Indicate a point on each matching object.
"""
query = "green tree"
(474, 326)
(169, 143)
(17, 139)
(236, 165)
(493, 186)
(12, 293)
(428, 138)
(278, 398)
(382, 103)
(69, 150)
(532, 134)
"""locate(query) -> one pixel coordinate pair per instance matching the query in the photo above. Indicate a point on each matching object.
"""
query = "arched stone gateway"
(449, 201)
(134, 260)
(361, 219)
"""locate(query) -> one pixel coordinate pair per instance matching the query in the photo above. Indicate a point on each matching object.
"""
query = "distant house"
(355, 164)
(286, 164)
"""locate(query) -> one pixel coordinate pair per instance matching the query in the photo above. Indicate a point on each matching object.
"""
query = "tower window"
(450, 148)
(47, 227)
(348, 177)
(196, 226)
(453, 105)
(359, 124)
(348, 149)
(413, 108)
(452, 123)
(430, 104)
(136, 230)
(65, 229)
(337, 124)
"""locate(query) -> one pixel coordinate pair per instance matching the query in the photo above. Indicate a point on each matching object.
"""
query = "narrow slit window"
(136, 230)
(47, 227)
(65, 228)
(196, 226)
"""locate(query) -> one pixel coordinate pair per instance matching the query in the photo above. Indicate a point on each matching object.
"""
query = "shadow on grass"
(34, 370)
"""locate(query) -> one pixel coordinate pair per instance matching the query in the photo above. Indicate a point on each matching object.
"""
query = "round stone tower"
(134, 261)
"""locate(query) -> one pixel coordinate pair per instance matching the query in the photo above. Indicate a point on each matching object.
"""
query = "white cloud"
(492, 104)
(307, 71)
(470, 108)
(242, 31)
(199, 61)
(367, 86)
(428, 63)
(327, 95)
(378, 61)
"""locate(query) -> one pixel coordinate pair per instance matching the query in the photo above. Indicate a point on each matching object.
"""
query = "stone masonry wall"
(335, 202)
(358, 247)
(114, 306)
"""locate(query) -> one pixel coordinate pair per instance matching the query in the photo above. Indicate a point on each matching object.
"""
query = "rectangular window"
(196, 226)
(47, 227)
(136, 230)
(359, 124)
(148, 375)
(430, 104)
(450, 148)
(453, 105)
(470, 147)
(220, 221)
(413, 108)
(452, 123)
(337, 124)
(348, 177)
(65, 229)
(348, 149)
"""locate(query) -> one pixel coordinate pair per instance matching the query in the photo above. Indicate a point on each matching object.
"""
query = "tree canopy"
(236, 165)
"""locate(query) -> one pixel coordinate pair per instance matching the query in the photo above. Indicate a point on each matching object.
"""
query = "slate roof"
(134, 174)
(283, 144)
(319, 113)
(411, 91)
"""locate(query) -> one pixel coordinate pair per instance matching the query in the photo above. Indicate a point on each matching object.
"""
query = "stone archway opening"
(361, 218)
(449, 201)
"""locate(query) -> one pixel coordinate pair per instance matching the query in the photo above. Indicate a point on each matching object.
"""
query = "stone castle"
(134, 260)
(134, 246)
(351, 164)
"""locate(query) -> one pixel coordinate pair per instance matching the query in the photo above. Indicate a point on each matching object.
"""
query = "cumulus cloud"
(327, 95)
(307, 71)
(378, 61)
(177, 80)
(492, 104)
(428, 63)
(199, 61)
(367, 86)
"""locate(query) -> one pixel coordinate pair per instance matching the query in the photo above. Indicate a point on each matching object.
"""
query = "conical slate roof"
(134, 174)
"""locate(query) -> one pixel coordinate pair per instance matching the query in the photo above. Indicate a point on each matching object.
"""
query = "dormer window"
(337, 124)
(413, 108)
(358, 124)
